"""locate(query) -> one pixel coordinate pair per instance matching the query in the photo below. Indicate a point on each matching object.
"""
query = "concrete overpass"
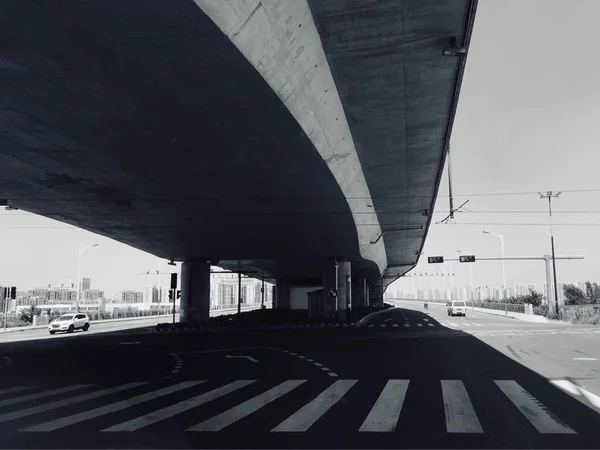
(270, 137)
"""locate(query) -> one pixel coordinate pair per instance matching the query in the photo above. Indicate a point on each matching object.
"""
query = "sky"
(526, 122)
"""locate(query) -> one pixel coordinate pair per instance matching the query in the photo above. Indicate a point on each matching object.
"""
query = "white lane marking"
(453, 324)
(306, 416)
(532, 409)
(318, 364)
(460, 415)
(577, 390)
(395, 325)
(477, 324)
(128, 343)
(370, 326)
(407, 325)
(431, 325)
(466, 324)
(26, 398)
(66, 402)
(383, 325)
(332, 374)
(387, 320)
(419, 324)
(232, 415)
(585, 359)
(386, 410)
(178, 408)
(15, 389)
(110, 408)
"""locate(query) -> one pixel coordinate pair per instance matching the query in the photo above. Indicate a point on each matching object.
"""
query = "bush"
(581, 316)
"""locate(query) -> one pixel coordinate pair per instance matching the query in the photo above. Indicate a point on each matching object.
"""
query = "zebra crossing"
(23, 408)
(426, 324)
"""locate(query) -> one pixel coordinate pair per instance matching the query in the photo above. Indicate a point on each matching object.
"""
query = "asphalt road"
(448, 383)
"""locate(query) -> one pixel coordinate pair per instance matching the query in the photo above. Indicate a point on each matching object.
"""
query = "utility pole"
(239, 292)
(549, 195)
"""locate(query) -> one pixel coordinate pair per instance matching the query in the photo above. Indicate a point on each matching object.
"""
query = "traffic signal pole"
(6, 297)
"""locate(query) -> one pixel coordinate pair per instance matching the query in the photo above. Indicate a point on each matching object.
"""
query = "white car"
(457, 307)
(70, 323)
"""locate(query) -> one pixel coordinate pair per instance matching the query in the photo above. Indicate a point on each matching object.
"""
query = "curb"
(365, 319)
(522, 319)
(305, 326)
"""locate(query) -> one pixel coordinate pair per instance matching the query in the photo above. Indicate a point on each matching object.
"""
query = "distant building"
(132, 297)
(151, 295)
(92, 294)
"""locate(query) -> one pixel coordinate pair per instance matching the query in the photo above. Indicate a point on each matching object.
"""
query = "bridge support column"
(195, 291)
(337, 292)
(376, 295)
(282, 295)
(359, 293)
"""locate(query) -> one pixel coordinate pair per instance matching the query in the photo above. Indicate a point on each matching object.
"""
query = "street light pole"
(79, 280)
(503, 268)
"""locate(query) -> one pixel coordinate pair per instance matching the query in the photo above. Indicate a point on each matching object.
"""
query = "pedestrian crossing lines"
(115, 408)
(426, 325)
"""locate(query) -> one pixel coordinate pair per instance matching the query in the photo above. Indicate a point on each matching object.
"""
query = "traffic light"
(170, 294)
(467, 258)
(178, 294)
(435, 259)
(13, 292)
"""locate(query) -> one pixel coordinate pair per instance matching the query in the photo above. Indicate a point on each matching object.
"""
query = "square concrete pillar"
(359, 292)
(282, 297)
(375, 295)
(195, 292)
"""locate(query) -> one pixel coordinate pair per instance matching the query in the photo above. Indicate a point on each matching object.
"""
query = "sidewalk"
(519, 316)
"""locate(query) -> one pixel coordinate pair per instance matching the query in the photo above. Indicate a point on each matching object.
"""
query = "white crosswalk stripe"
(14, 389)
(170, 411)
(539, 417)
(65, 402)
(383, 415)
(460, 415)
(311, 412)
(107, 409)
(242, 410)
(38, 395)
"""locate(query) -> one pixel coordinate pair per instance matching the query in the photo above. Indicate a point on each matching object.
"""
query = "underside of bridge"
(154, 123)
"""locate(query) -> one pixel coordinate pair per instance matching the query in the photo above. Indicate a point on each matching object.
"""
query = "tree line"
(577, 296)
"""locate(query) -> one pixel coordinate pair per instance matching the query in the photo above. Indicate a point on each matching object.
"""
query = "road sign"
(467, 258)
(435, 259)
